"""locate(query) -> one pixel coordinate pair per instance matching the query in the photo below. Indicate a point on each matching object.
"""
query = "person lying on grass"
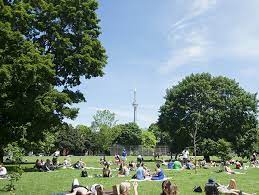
(77, 189)
(231, 188)
(228, 170)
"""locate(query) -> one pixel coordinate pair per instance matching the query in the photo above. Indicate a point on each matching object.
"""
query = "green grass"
(37, 183)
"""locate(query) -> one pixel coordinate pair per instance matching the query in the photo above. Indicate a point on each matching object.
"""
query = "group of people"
(53, 164)
(213, 188)
(143, 172)
(124, 188)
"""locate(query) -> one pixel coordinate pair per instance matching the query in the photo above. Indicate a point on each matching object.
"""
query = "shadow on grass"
(30, 170)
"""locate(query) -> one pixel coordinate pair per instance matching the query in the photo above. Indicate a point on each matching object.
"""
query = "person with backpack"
(211, 187)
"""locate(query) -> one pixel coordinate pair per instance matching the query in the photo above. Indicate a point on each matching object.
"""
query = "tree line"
(48, 47)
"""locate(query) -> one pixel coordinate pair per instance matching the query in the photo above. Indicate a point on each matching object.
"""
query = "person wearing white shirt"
(185, 155)
(3, 171)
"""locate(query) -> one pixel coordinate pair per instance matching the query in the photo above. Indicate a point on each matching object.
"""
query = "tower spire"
(135, 105)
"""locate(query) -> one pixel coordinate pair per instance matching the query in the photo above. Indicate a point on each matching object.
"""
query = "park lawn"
(37, 183)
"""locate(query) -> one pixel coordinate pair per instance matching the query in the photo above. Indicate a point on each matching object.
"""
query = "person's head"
(138, 165)
(158, 165)
(168, 188)
(210, 180)
(232, 184)
(125, 188)
(99, 189)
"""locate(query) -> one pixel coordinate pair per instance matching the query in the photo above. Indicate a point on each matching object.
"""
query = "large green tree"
(45, 45)
(71, 139)
(162, 137)
(130, 135)
(216, 106)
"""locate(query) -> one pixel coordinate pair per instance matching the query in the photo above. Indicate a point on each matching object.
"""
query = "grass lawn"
(36, 183)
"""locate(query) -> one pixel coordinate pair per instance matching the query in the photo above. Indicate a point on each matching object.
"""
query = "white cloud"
(196, 8)
(194, 46)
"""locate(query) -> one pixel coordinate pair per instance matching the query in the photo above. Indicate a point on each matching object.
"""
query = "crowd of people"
(141, 172)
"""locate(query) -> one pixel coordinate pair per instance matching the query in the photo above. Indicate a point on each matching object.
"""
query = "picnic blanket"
(149, 179)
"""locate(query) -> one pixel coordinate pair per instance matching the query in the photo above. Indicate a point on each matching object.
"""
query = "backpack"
(211, 189)
(197, 189)
(84, 173)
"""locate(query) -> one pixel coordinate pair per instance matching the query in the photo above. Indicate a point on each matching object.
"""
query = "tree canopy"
(46, 48)
(218, 105)
(130, 134)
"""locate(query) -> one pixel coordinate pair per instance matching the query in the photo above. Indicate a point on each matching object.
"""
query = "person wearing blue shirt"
(170, 165)
(159, 173)
(140, 173)
(124, 155)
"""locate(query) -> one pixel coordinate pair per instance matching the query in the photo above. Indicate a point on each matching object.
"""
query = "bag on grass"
(84, 173)
(197, 189)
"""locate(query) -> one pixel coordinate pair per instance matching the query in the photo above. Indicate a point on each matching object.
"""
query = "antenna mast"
(135, 105)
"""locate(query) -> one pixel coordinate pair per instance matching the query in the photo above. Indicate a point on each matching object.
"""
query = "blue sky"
(153, 45)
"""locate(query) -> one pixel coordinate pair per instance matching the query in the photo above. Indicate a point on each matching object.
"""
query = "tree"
(130, 135)
(162, 137)
(29, 102)
(148, 139)
(103, 118)
(71, 139)
(106, 137)
(225, 111)
(44, 46)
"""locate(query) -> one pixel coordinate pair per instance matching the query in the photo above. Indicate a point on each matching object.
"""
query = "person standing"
(124, 155)
(185, 155)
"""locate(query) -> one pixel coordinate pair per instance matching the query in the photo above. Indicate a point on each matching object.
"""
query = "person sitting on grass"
(231, 188)
(3, 171)
(124, 188)
(238, 165)
(123, 170)
(66, 163)
(140, 173)
(38, 164)
(132, 165)
(117, 159)
(48, 166)
(189, 165)
(177, 165)
(79, 164)
(170, 165)
(146, 170)
(168, 188)
(159, 175)
(107, 170)
(140, 159)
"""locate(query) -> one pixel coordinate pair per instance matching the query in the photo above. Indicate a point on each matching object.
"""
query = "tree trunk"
(207, 158)
(175, 157)
(1, 154)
